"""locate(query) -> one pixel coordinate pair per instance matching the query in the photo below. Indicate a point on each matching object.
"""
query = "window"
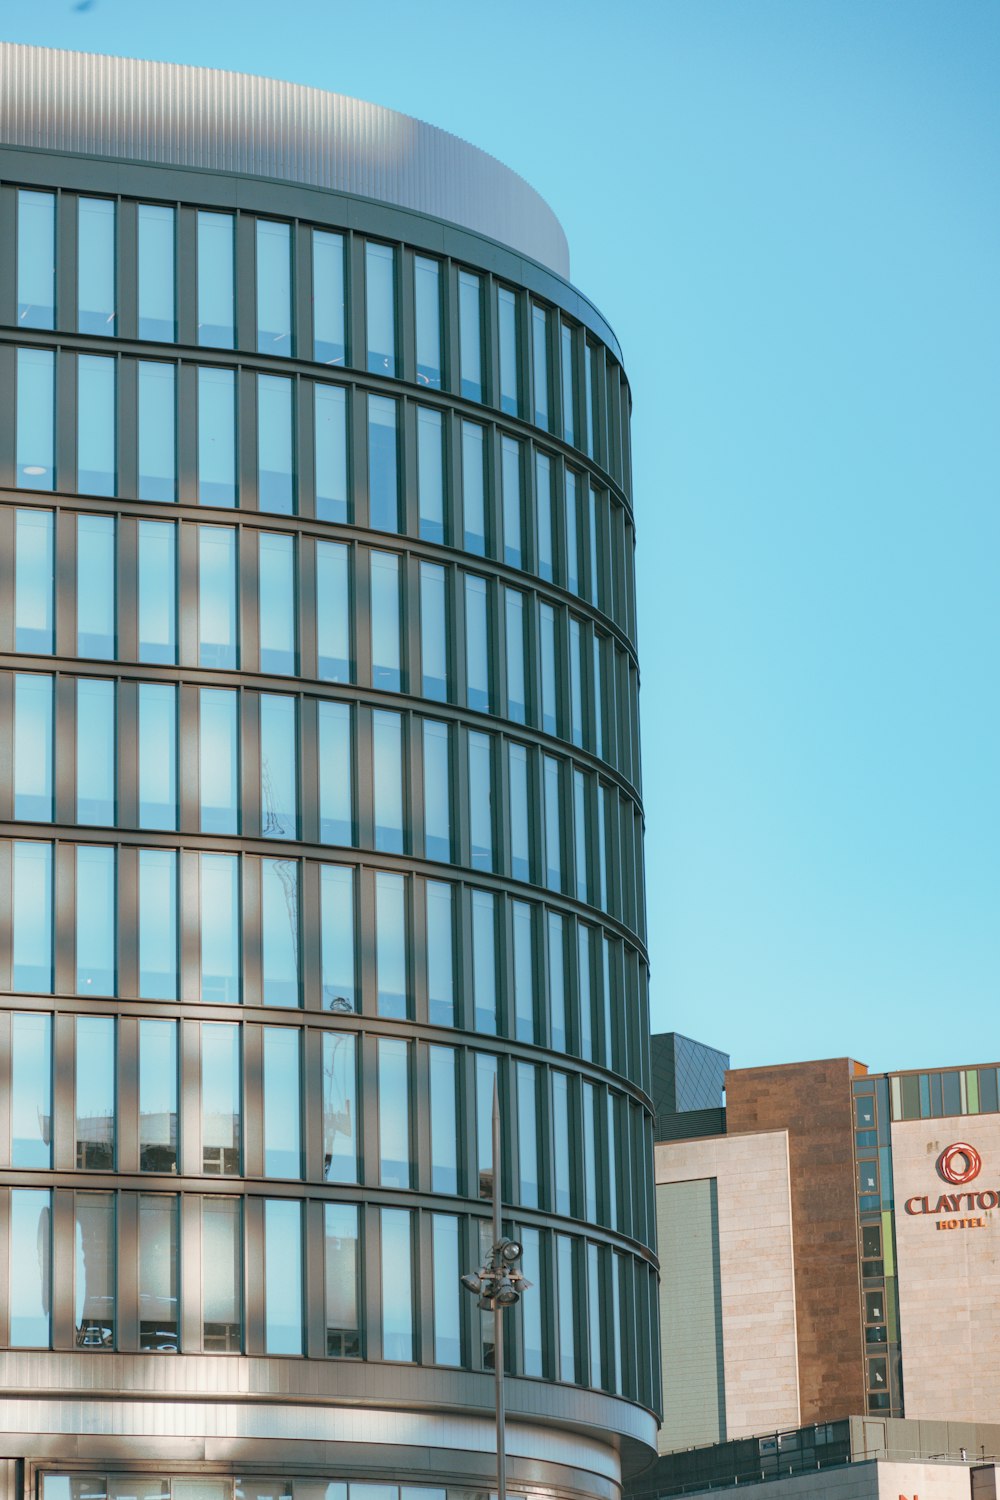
(557, 983)
(279, 881)
(540, 355)
(594, 530)
(333, 612)
(329, 336)
(572, 534)
(157, 755)
(217, 597)
(598, 698)
(340, 1107)
(95, 1093)
(96, 911)
(588, 396)
(566, 1304)
(394, 1112)
(218, 760)
(524, 972)
(380, 306)
(96, 266)
(283, 1282)
(514, 619)
(95, 586)
(274, 287)
(390, 945)
(527, 1134)
(507, 324)
(30, 1268)
(486, 1074)
(158, 1096)
(31, 1091)
(282, 1102)
(583, 940)
(216, 437)
(386, 672)
(447, 1313)
(276, 614)
(397, 1284)
(387, 772)
(510, 469)
(96, 464)
(216, 281)
(32, 918)
(481, 800)
(477, 670)
(444, 1120)
(568, 386)
(342, 1262)
(278, 766)
(474, 487)
(484, 963)
(594, 1314)
(575, 681)
(220, 928)
(470, 336)
(532, 1325)
(589, 1153)
(336, 780)
(33, 748)
(383, 477)
(580, 833)
(330, 412)
(437, 790)
(433, 632)
(157, 603)
(158, 951)
(221, 1094)
(36, 419)
(221, 1275)
(560, 1143)
(543, 508)
(547, 638)
(430, 474)
(156, 272)
(427, 299)
(95, 1270)
(553, 823)
(337, 937)
(440, 953)
(34, 582)
(36, 259)
(157, 432)
(275, 456)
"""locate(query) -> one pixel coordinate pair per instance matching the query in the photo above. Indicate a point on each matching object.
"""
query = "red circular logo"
(959, 1163)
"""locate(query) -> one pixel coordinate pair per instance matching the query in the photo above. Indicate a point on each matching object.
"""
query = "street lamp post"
(498, 1284)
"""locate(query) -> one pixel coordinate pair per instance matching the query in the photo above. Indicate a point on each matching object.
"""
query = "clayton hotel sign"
(958, 1165)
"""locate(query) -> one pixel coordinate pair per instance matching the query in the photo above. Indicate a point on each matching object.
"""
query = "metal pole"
(497, 1309)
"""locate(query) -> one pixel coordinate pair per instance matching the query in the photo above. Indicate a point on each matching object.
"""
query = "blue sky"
(788, 210)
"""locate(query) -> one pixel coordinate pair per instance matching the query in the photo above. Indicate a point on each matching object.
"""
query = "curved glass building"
(319, 789)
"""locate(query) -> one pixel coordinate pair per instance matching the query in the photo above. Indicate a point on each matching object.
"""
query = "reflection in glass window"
(611, 1184)
(279, 882)
(547, 641)
(95, 586)
(342, 1263)
(337, 937)
(157, 755)
(524, 975)
(606, 1001)
(444, 1120)
(216, 281)
(221, 1275)
(580, 833)
(484, 963)
(383, 476)
(156, 272)
(557, 984)
(385, 621)
(543, 509)
(440, 953)
(157, 1095)
(507, 328)
(283, 1331)
(520, 827)
(216, 437)
(94, 1292)
(598, 698)
(30, 1268)
(336, 774)
(387, 775)
(34, 607)
(380, 305)
(95, 425)
(560, 1143)
(220, 928)
(96, 266)
(430, 474)
(221, 1093)
(572, 534)
(447, 1313)
(33, 748)
(616, 1322)
(602, 847)
(437, 790)
(394, 1112)
(594, 1314)
(540, 354)
(278, 767)
(333, 612)
(95, 1093)
(532, 1325)
(553, 823)
(282, 1102)
(566, 1302)
(216, 596)
(470, 336)
(36, 419)
(275, 460)
(397, 1284)
(96, 911)
(510, 473)
(477, 671)
(486, 1072)
(276, 592)
(218, 760)
(340, 1107)
(584, 990)
(433, 632)
(390, 945)
(157, 603)
(514, 619)
(589, 1153)
(474, 487)
(329, 339)
(427, 295)
(31, 1091)
(36, 259)
(568, 385)
(274, 287)
(159, 1307)
(527, 1134)
(32, 918)
(157, 432)
(330, 411)
(481, 800)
